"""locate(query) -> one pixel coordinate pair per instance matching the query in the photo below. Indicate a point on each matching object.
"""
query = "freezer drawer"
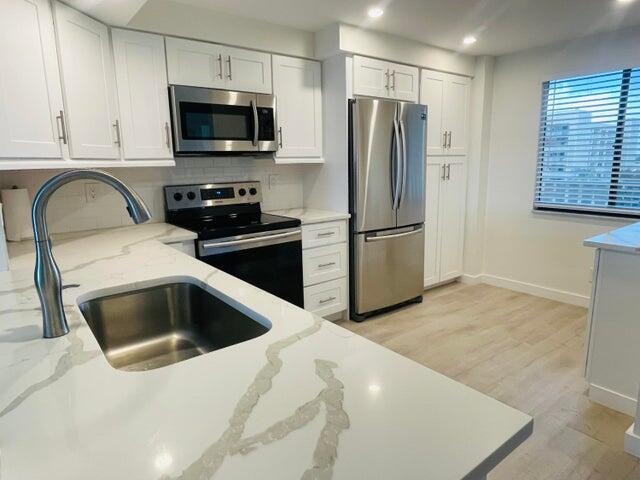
(388, 267)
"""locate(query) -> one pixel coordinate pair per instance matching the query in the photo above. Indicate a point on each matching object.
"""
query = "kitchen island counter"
(308, 399)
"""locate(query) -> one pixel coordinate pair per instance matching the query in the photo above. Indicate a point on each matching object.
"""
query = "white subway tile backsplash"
(69, 210)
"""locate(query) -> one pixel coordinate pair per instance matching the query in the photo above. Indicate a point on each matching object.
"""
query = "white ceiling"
(501, 26)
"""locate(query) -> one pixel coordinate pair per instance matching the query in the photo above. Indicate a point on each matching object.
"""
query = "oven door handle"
(256, 123)
(265, 238)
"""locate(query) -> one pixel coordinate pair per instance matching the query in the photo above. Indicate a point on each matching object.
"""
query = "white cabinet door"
(455, 114)
(141, 77)
(370, 77)
(198, 64)
(404, 82)
(247, 70)
(432, 89)
(298, 90)
(30, 93)
(88, 82)
(452, 213)
(431, 237)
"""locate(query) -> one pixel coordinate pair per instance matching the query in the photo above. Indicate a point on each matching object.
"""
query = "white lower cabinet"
(446, 186)
(325, 263)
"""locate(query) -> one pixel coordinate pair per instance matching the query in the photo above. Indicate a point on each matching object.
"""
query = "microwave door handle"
(256, 123)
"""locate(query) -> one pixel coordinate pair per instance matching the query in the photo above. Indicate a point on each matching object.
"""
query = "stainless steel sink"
(161, 325)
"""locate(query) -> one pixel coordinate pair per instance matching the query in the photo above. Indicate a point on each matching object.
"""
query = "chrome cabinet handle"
(386, 75)
(229, 70)
(280, 137)
(326, 300)
(444, 141)
(448, 171)
(220, 65)
(444, 172)
(325, 234)
(62, 128)
(449, 143)
(256, 123)
(168, 135)
(116, 125)
(393, 85)
(324, 265)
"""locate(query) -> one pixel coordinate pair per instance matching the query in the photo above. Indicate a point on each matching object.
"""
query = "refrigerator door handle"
(393, 235)
(396, 193)
(404, 162)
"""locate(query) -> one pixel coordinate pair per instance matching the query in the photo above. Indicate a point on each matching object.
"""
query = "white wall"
(342, 38)
(172, 18)
(69, 210)
(539, 252)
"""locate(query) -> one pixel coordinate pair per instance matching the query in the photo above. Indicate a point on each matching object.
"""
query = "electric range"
(236, 237)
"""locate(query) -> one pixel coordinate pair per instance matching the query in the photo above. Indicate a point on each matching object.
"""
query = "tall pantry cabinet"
(447, 99)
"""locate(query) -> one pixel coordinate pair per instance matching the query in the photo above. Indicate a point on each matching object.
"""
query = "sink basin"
(165, 324)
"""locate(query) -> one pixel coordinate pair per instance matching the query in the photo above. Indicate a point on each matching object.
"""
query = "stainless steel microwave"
(208, 122)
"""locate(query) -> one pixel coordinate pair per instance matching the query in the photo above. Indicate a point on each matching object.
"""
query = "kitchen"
(311, 182)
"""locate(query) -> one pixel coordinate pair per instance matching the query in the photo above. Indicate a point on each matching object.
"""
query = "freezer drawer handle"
(251, 240)
(325, 234)
(323, 265)
(326, 300)
(394, 235)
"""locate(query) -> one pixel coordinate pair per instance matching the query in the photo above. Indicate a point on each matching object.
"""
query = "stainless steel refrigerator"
(387, 204)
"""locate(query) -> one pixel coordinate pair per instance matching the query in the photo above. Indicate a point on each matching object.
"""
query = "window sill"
(568, 214)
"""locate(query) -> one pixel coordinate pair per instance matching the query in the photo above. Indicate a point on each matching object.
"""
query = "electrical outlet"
(274, 179)
(91, 191)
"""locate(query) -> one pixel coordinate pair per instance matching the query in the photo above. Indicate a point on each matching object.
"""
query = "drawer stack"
(325, 265)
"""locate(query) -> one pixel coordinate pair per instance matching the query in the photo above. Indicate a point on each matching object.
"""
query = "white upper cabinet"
(88, 84)
(432, 95)
(298, 90)
(141, 78)
(456, 114)
(370, 77)
(202, 64)
(197, 64)
(378, 78)
(247, 70)
(404, 82)
(447, 99)
(30, 92)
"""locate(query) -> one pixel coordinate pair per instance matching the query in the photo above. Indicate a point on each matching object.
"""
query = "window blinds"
(589, 144)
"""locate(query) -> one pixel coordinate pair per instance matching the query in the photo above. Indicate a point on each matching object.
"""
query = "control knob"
(191, 195)
(242, 192)
(177, 196)
(252, 191)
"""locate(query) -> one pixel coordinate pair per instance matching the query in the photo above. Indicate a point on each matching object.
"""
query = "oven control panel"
(179, 197)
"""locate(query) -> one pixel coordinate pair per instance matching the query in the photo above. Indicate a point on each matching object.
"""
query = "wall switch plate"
(91, 191)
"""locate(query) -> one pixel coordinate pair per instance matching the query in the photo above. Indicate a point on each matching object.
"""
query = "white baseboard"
(632, 442)
(614, 400)
(530, 288)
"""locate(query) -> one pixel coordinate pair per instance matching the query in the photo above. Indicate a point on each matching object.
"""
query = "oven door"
(207, 121)
(271, 261)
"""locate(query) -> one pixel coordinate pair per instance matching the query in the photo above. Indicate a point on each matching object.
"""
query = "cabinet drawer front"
(324, 263)
(319, 234)
(326, 298)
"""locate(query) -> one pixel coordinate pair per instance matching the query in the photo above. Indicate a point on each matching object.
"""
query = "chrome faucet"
(47, 275)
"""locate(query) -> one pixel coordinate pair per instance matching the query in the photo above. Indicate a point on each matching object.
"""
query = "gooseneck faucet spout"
(47, 275)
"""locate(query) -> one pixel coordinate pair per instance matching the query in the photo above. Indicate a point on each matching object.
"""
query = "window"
(589, 145)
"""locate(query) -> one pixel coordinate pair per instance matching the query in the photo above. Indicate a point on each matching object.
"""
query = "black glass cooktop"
(220, 226)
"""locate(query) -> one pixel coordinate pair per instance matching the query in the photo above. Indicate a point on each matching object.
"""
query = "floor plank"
(527, 352)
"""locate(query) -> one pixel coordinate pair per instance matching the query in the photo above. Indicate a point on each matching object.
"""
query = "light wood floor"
(526, 352)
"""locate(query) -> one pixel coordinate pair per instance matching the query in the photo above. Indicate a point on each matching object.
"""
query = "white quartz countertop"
(311, 215)
(624, 239)
(308, 399)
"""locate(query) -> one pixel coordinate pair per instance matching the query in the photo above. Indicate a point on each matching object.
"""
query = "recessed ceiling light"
(469, 40)
(375, 12)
